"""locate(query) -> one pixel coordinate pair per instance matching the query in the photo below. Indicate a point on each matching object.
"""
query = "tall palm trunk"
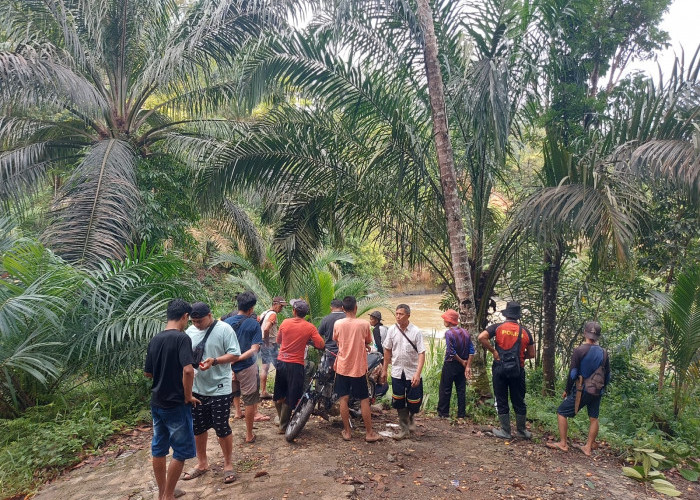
(550, 286)
(448, 181)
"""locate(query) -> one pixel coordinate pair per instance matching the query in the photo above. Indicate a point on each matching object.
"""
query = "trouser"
(452, 372)
(515, 386)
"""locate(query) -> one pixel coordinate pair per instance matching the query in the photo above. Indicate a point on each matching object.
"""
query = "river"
(425, 313)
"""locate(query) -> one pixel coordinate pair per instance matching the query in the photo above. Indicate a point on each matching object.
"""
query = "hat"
(199, 310)
(279, 300)
(300, 306)
(592, 330)
(512, 310)
(451, 316)
(376, 314)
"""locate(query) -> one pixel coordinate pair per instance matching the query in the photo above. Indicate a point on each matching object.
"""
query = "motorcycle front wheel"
(299, 418)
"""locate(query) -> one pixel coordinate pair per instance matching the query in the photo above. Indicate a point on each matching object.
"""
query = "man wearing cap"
(456, 367)
(378, 330)
(270, 346)
(293, 335)
(325, 329)
(585, 360)
(212, 386)
(506, 335)
(404, 350)
(169, 364)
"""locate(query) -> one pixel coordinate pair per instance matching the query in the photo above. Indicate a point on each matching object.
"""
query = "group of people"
(200, 371)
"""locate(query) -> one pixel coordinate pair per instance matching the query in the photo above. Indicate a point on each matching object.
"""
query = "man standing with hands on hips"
(213, 387)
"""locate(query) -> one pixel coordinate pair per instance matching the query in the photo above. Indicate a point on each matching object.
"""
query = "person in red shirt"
(293, 335)
(354, 340)
(505, 337)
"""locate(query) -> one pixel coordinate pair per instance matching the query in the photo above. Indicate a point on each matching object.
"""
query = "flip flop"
(245, 441)
(374, 439)
(555, 445)
(266, 396)
(579, 447)
(179, 493)
(194, 473)
(261, 418)
(229, 477)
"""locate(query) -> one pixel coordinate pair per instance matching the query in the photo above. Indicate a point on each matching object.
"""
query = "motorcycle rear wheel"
(299, 418)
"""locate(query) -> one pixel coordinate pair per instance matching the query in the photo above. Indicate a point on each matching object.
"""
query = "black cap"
(592, 330)
(199, 310)
(376, 314)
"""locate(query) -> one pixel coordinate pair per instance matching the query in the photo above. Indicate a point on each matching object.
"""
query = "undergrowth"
(52, 436)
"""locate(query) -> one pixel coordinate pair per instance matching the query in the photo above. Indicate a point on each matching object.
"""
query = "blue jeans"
(172, 428)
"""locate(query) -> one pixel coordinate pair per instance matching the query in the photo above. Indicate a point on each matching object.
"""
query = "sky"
(682, 22)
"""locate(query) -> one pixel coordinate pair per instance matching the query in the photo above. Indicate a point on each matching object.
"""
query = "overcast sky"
(682, 22)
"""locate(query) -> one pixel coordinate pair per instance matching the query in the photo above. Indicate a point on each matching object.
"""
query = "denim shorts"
(269, 353)
(172, 428)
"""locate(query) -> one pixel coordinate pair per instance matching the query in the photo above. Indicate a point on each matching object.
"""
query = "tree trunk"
(550, 286)
(448, 180)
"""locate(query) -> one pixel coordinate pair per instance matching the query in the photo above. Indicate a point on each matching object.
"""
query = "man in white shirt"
(404, 350)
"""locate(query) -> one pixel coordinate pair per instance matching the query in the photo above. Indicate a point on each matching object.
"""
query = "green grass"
(58, 434)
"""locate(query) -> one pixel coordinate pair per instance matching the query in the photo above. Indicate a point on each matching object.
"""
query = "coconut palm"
(90, 89)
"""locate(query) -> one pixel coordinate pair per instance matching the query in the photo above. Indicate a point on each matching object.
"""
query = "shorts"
(269, 353)
(406, 396)
(213, 413)
(289, 383)
(355, 387)
(172, 428)
(246, 384)
(592, 404)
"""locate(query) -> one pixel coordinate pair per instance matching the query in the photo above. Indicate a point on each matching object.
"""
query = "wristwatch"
(215, 362)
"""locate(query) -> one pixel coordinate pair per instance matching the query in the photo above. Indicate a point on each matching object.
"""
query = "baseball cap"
(376, 314)
(592, 330)
(279, 300)
(199, 310)
(301, 306)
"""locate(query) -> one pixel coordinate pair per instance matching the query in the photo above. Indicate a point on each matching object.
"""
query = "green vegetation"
(157, 148)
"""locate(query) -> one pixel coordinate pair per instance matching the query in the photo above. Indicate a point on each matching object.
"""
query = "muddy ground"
(446, 460)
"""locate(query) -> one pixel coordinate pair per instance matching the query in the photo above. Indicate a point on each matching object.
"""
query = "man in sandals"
(354, 340)
(404, 350)
(169, 363)
(585, 360)
(246, 383)
(212, 386)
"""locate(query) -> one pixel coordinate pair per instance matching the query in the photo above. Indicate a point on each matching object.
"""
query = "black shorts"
(592, 404)
(404, 395)
(355, 387)
(289, 382)
(213, 413)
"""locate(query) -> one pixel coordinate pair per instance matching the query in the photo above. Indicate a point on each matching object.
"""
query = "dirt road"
(445, 461)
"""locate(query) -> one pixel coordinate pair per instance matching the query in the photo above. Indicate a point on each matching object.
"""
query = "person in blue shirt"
(459, 351)
(585, 360)
(246, 381)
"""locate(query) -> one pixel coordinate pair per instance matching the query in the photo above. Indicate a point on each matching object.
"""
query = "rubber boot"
(411, 423)
(283, 412)
(522, 431)
(404, 431)
(504, 431)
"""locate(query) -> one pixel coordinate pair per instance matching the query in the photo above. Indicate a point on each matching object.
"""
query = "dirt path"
(447, 461)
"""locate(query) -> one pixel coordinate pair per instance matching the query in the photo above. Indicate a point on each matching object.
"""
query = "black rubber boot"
(522, 431)
(504, 431)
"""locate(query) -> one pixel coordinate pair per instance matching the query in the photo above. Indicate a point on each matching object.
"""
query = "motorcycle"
(319, 396)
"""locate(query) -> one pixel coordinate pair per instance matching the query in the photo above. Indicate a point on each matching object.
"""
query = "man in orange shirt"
(354, 339)
(293, 335)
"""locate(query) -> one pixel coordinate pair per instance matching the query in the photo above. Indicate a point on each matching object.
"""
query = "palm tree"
(90, 90)
(681, 322)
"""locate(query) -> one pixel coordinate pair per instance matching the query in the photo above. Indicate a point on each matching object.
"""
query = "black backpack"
(198, 351)
(510, 358)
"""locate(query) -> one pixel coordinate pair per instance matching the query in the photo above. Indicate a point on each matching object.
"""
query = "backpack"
(510, 359)
(594, 383)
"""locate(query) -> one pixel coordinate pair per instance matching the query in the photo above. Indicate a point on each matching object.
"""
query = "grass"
(61, 432)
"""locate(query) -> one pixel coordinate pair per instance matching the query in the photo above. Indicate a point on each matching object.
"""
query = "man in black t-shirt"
(169, 363)
(325, 329)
